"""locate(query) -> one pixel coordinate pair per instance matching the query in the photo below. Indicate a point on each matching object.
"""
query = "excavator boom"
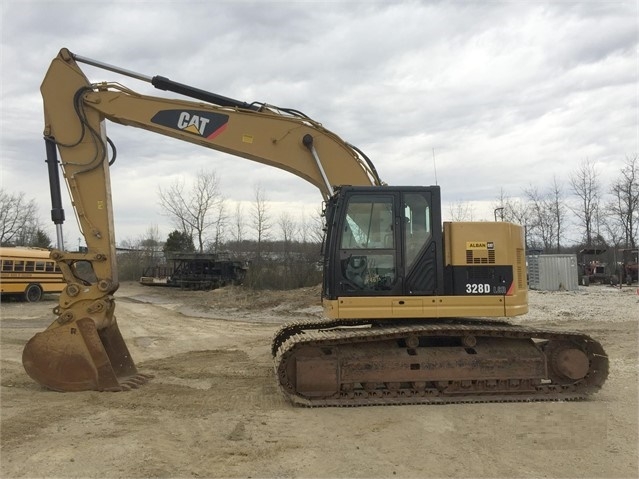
(279, 137)
(83, 348)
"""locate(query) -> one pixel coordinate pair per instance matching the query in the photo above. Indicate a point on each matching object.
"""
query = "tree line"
(206, 221)
(602, 217)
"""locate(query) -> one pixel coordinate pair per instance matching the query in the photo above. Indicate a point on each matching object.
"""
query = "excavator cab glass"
(367, 249)
(417, 225)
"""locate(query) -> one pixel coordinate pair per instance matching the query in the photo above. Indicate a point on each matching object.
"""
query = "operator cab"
(383, 241)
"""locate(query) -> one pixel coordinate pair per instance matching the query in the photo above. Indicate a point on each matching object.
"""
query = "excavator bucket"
(78, 357)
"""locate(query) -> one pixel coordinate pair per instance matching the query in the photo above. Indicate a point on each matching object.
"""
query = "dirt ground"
(213, 409)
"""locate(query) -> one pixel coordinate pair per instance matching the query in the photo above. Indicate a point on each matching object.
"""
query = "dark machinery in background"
(196, 271)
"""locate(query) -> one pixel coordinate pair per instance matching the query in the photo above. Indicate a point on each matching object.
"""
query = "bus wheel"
(33, 293)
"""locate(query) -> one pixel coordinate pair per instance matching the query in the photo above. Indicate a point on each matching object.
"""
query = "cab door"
(421, 241)
(368, 261)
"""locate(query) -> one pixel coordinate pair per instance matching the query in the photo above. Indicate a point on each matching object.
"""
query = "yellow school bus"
(29, 272)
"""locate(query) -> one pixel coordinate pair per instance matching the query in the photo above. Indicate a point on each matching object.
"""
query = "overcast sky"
(505, 94)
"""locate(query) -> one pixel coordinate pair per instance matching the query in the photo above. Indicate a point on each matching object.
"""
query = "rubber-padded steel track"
(562, 355)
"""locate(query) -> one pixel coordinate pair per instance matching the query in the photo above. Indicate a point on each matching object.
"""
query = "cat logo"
(193, 123)
(200, 123)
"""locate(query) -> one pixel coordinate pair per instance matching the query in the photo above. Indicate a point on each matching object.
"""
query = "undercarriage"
(361, 363)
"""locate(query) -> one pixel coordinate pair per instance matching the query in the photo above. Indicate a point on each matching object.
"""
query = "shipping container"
(553, 272)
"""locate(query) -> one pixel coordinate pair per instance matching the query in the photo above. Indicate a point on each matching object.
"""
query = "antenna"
(435, 166)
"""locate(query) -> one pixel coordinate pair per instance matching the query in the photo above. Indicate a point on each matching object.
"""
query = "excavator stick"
(76, 356)
(83, 348)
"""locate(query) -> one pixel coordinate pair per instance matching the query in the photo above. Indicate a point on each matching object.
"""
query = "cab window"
(367, 243)
(369, 224)
(417, 226)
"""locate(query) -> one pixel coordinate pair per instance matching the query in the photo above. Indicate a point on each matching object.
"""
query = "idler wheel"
(566, 362)
(412, 341)
(469, 341)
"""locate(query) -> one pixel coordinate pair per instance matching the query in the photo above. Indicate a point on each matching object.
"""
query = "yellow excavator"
(414, 308)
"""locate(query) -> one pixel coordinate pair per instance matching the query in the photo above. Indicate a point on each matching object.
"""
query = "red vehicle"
(630, 265)
(593, 269)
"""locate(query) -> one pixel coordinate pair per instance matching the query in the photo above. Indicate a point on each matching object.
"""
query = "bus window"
(25, 269)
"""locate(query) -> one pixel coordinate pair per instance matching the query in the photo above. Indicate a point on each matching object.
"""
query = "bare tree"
(221, 219)
(586, 187)
(510, 209)
(303, 228)
(310, 227)
(259, 275)
(461, 211)
(175, 202)
(18, 218)
(314, 227)
(541, 226)
(238, 223)
(558, 210)
(287, 230)
(150, 246)
(546, 217)
(611, 234)
(194, 211)
(514, 210)
(260, 218)
(287, 227)
(500, 205)
(624, 208)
